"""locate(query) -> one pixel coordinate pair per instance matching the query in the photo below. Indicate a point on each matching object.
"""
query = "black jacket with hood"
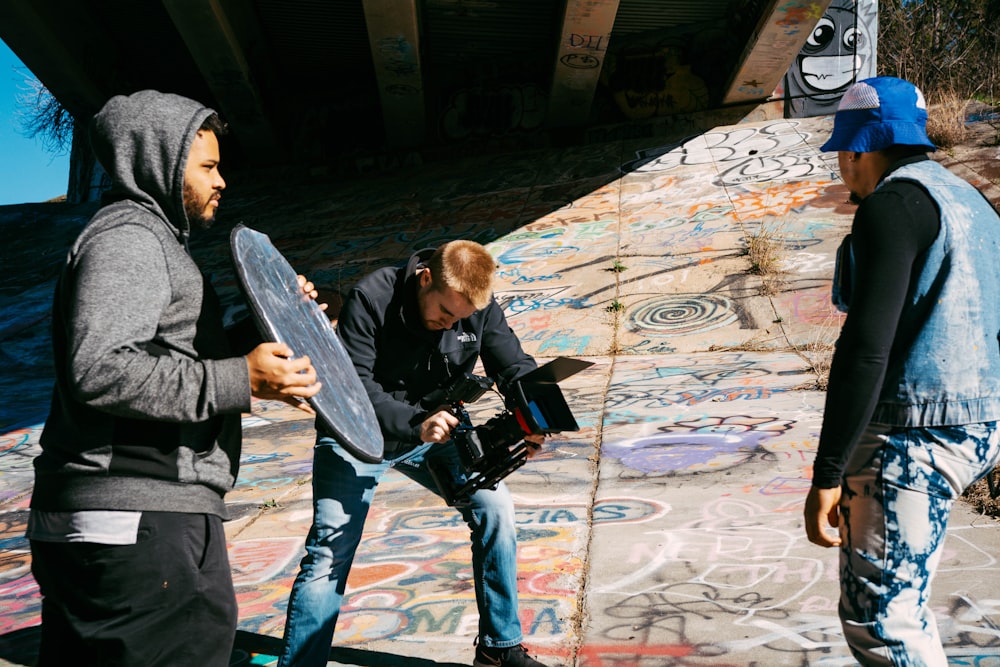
(146, 408)
(400, 362)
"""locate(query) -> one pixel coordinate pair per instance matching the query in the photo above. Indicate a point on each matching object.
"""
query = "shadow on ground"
(248, 645)
(21, 648)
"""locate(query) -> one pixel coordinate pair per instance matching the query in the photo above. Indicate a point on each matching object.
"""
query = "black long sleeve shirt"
(891, 228)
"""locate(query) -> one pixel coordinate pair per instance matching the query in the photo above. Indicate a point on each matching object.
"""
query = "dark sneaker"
(515, 656)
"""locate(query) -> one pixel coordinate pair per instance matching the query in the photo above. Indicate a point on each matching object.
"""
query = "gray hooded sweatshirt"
(146, 408)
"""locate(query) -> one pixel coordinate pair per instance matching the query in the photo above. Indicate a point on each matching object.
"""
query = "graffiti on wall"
(482, 112)
(653, 81)
(840, 51)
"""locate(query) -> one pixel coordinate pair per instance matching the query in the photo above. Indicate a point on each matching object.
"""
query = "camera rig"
(488, 453)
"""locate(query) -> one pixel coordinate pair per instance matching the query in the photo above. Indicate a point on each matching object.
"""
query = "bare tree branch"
(42, 116)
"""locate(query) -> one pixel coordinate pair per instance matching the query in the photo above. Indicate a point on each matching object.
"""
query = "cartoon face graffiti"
(839, 51)
(834, 51)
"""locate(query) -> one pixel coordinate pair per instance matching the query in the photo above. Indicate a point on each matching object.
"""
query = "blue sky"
(28, 171)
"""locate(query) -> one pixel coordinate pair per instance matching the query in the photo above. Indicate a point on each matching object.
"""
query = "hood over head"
(143, 140)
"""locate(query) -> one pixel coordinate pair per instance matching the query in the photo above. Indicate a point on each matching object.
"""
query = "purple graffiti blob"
(706, 445)
(682, 453)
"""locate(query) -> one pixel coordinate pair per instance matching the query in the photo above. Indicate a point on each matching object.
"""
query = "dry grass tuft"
(755, 344)
(764, 252)
(978, 495)
(946, 119)
(819, 355)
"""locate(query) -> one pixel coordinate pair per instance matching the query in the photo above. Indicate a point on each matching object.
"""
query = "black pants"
(166, 600)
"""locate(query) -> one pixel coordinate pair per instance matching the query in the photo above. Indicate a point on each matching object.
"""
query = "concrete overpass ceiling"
(323, 94)
(145, 41)
(639, 16)
(316, 42)
(489, 32)
(148, 50)
(316, 80)
(490, 43)
(488, 65)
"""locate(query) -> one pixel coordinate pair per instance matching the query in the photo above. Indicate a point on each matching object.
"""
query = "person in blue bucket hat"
(914, 391)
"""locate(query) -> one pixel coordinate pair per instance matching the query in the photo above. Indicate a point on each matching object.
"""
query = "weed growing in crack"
(764, 252)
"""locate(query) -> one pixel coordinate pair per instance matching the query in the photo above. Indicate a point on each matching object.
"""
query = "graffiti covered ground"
(667, 530)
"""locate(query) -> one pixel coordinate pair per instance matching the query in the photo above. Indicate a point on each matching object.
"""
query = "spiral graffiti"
(680, 315)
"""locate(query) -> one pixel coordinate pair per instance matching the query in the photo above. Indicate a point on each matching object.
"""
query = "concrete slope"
(667, 530)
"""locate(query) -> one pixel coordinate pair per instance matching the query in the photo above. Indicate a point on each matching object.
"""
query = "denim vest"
(944, 366)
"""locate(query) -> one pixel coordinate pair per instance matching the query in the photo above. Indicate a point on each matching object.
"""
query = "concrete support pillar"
(394, 37)
(583, 43)
(781, 32)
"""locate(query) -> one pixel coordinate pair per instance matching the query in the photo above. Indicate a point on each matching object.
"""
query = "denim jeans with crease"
(898, 491)
(343, 488)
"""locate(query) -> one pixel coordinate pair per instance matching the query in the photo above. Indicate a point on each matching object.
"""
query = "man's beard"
(195, 209)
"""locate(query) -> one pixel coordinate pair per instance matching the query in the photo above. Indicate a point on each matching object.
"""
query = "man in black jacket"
(409, 332)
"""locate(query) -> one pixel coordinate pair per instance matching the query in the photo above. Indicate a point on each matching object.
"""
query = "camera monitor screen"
(545, 402)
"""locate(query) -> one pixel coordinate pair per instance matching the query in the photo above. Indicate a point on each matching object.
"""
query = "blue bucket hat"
(877, 113)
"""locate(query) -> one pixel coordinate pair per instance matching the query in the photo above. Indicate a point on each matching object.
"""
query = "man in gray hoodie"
(143, 438)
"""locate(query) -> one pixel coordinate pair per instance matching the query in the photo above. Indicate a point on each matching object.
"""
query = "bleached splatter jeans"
(898, 490)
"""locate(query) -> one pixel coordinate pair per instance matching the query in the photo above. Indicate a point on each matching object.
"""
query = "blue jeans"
(343, 488)
(898, 490)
